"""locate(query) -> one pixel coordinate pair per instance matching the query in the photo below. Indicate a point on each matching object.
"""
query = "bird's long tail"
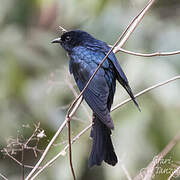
(102, 148)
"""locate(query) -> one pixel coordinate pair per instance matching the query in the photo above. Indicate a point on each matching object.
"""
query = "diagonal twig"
(53, 139)
(62, 29)
(174, 173)
(3, 177)
(22, 161)
(70, 152)
(33, 134)
(146, 90)
(18, 162)
(150, 168)
(125, 170)
(147, 55)
(76, 95)
(132, 26)
(62, 153)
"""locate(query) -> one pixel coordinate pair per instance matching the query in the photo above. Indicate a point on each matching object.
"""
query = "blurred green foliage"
(34, 75)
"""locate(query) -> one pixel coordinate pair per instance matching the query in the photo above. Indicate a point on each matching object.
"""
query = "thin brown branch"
(148, 55)
(150, 168)
(63, 152)
(70, 151)
(22, 161)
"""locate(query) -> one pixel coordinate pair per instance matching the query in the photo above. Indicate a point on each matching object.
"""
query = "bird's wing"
(121, 77)
(97, 92)
(102, 47)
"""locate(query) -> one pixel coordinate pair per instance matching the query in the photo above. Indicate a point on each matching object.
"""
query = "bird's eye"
(68, 38)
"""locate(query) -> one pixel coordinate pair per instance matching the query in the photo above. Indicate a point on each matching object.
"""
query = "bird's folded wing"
(121, 77)
(96, 96)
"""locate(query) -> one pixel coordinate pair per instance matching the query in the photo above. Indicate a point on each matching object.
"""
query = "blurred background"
(34, 84)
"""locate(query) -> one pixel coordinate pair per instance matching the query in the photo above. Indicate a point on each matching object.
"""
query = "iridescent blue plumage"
(86, 53)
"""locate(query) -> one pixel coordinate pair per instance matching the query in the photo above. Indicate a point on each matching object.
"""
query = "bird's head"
(72, 39)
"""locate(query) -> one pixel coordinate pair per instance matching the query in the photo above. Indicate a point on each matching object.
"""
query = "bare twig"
(134, 24)
(20, 144)
(125, 170)
(174, 173)
(53, 139)
(68, 117)
(47, 149)
(62, 153)
(147, 55)
(150, 168)
(62, 29)
(70, 152)
(3, 177)
(22, 161)
(147, 90)
(33, 134)
(69, 127)
(18, 162)
(76, 95)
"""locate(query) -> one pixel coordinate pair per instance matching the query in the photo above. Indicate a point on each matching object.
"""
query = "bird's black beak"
(57, 40)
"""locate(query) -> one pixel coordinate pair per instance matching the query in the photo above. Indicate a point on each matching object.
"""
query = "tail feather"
(102, 148)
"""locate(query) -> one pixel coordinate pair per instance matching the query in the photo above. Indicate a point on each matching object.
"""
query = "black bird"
(86, 53)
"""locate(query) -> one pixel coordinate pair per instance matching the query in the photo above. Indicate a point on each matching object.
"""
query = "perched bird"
(85, 54)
